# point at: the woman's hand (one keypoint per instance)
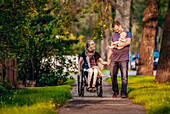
(94, 67)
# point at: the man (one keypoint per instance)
(119, 59)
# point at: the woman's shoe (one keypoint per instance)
(94, 89)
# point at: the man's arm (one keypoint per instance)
(109, 56)
(123, 44)
(79, 64)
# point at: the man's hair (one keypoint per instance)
(115, 23)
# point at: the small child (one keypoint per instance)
(121, 39)
(92, 63)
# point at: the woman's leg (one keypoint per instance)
(100, 72)
(95, 77)
(90, 73)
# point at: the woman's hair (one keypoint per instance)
(87, 49)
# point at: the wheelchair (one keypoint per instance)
(82, 83)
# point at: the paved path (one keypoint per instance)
(91, 104)
(119, 74)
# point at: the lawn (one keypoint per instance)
(43, 100)
(108, 70)
(143, 90)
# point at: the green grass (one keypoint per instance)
(69, 81)
(43, 100)
(108, 70)
(143, 90)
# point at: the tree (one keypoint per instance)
(28, 32)
(137, 9)
(163, 70)
(106, 11)
(163, 6)
(146, 56)
(123, 13)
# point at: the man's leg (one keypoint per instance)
(90, 73)
(124, 77)
(113, 73)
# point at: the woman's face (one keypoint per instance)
(91, 54)
(92, 44)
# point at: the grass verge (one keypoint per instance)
(43, 100)
(108, 70)
(143, 90)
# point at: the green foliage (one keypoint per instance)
(47, 80)
(28, 32)
(163, 6)
(6, 87)
(36, 100)
(70, 81)
(102, 10)
(144, 91)
(137, 10)
(51, 73)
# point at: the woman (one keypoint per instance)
(90, 44)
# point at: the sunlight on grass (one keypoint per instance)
(145, 91)
(39, 108)
(108, 70)
(43, 100)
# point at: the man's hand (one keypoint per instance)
(115, 46)
(108, 62)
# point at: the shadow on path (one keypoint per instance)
(91, 104)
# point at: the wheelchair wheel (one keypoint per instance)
(82, 84)
(99, 88)
(78, 86)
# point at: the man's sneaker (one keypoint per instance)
(114, 95)
(123, 96)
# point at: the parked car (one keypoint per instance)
(134, 60)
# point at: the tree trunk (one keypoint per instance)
(163, 69)
(105, 41)
(123, 13)
(146, 56)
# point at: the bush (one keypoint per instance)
(50, 79)
(6, 87)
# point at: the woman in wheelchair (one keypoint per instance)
(92, 68)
